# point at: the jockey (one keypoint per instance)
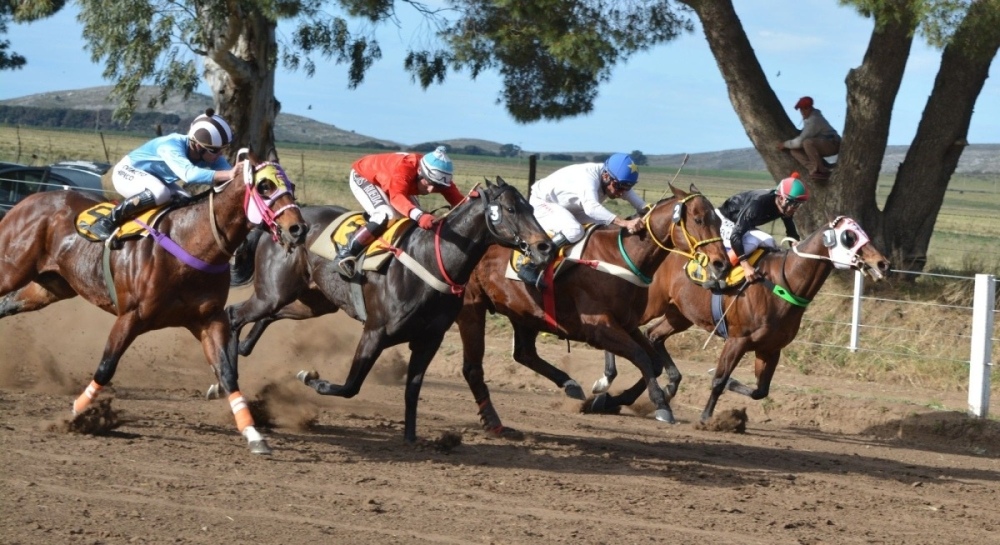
(148, 176)
(572, 196)
(742, 213)
(386, 185)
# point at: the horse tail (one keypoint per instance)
(244, 258)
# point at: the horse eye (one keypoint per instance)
(265, 186)
(849, 238)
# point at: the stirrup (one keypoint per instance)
(531, 276)
(348, 266)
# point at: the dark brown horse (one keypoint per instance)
(414, 301)
(177, 278)
(590, 305)
(763, 317)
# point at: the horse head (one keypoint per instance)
(269, 198)
(692, 228)
(849, 247)
(511, 221)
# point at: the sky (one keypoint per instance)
(670, 99)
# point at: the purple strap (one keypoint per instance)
(178, 252)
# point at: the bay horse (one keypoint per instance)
(763, 317)
(588, 304)
(179, 277)
(414, 301)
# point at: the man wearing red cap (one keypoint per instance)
(817, 140)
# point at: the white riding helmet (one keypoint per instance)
(210, 130)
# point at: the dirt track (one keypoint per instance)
(824, 463)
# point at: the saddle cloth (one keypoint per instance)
(129, 230)
(697, 271)
(335, 235)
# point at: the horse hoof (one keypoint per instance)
(306, 376)
(600, 404)
(213, 392)
(574, 390)
(601, 386)
(664, 415)
(260, 447)
(510, 434)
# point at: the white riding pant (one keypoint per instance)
(374, 199)
(555, 219)
(752, 239)
(130, 181)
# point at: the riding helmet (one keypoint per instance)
(210, 130)
(622, 169)
(436, 167)
(792, 188)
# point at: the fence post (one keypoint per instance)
(982, 345)
(859, 286)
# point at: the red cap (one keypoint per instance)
(804, 102)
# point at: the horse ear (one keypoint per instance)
(694, 189)
(500, 181)
(488, 182)
(679, 193)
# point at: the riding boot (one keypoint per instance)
(122, 212)
(347, 255)
(533, 273)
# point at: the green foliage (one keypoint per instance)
(639, 158)
(551, 54)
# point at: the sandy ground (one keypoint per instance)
(821, 461)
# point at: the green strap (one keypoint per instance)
(788, 296)
(635, 270)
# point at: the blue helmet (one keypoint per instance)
(436, 167)
(622, 169)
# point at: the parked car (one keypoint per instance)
(19, 181)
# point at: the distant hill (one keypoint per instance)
(87, 108)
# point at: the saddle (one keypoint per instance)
(697, 271)
(376, 254)
(566, 253)
(129, 230)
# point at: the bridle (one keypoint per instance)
(677, 220)
(256, 207)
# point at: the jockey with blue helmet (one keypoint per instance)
(742, 213)
(570, 197)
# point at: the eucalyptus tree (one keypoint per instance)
(553, 54)
(21, 11)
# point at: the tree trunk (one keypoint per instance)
(241, 77)
(941, 137)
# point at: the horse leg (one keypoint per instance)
(732, 352)
(421, 353)
(214, 337)
(634, 346)
(764, 367)
(125, 329)
(34, 296)
(526, 354)
(673, 322)
(369, 349)
(610, 373)
(310, 304)
(472, 328)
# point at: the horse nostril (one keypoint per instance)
(298, 231)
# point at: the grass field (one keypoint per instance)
(921, 344)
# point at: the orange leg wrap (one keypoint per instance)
(86, 397)
(240, 411)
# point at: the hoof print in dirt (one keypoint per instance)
(733, 420)
(448, 442)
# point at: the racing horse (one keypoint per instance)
(178, 277)
(415, 300)
(763, 317)
(589, 304)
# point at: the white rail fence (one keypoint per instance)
(981, 339)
